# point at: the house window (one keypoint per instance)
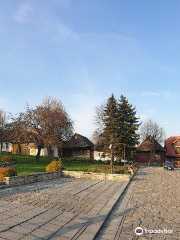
(157, 157)
(75, 153)
(7, 145)
(24, 148)
(81, 153)
(177, 149)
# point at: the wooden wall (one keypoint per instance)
(145, 157)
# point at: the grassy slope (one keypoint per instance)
(26, 164)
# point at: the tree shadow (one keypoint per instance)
(142, 173)
(88, 222)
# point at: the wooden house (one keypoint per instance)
(25, 148)
(78, 146)
(147, 149)
(172, 146)
(32, 149)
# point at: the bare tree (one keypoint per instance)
(98, 121)
(18, 131)
(151, 128)
(99, 118)
(157, 133)
(60, 125)
(98, 141)
(49, 124)
(3, 128)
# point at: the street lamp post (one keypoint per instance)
(124, 154)
(111, 147)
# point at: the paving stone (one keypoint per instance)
(31, 237)
(60, 207)
(11, 235)
(42, 233)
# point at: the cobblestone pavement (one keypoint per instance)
(93, 209)
(57, 209)
(152, 201)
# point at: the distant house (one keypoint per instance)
(78, 146)
(145, 151)
(99, 154)
(28, 148)
(6, 147)
(172, 146)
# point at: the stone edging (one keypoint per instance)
(8, 164)
(38, 177)
(100, 176)
(26, 179)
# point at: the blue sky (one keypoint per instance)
(80, 51)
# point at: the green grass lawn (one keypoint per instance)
(26, 165)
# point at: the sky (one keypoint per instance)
(82, 51)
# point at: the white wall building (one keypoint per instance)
(102, 156)
(6, 147)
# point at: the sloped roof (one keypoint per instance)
(169, 146)
(147, 145)
(79, 141)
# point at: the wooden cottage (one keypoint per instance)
(79, 146)
(172, 146)
(150, 151)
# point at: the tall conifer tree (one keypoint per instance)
(110, 124)
(128, 124)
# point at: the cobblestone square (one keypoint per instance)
(65, 208)
(69, 208)
(151, 202)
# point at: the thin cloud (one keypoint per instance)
(23, 12)
(168, 95)
(61, 30)
(145, 94)
(110, 36)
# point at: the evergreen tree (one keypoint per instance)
(128, 124)
(110, 124)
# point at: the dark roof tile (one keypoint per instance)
(79, 141)
(147, 145)
(169, 146)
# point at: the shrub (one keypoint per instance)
(6, 158)
(7, 172)
(54, 166)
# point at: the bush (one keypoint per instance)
(7, 172)
(54, 166)
(6, 158)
